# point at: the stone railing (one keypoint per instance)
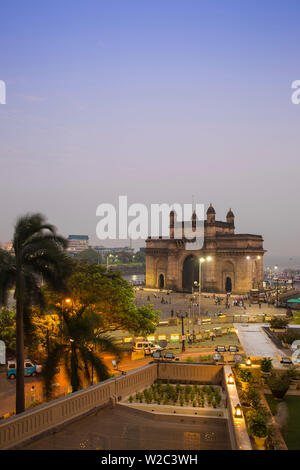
(41, 419)
(237, 426)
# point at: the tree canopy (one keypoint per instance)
(108, 295)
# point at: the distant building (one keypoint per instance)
(78, 243)
(106, 251)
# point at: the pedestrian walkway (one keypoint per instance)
(256, 343)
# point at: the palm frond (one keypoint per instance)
(100, 368)
(49, 367)
(107, 343)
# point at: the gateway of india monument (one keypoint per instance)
(230, 262)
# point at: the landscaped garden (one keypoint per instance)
(203, 396)
(251, 384)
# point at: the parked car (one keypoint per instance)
(167, 356)
(146, 346)
(220, 349)
(233, 348)
(30, 369)
(286, 360)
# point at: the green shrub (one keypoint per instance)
(245, 375)
(253, 397)
(130, 399)
(266, 365)
(288, 338)
(190, 359)
(278, 384)
(279, 323)
(257, 424)
(207, 358)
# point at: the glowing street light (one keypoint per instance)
(238, 411)
(201, 260)
(230, 379)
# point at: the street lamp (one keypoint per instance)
(92, 350)
(201, 260)
(238, 411)
(68, 301)
(230, 379)
(181, 316)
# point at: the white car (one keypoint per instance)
(146, 346)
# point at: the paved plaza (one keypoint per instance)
(179, 302)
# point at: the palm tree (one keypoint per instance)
(38, 255)
(77, 349)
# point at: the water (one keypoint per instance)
(135, 279)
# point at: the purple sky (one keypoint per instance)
(155, 100)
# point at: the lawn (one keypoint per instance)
(291, 434)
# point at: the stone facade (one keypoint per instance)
(236, 260)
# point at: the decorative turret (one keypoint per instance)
(211, 214)
(194, 221)
(230, 217)
(172, 223)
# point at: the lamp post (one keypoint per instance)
(198, 284)
(181, 316)
(92, 349)
(276, 279)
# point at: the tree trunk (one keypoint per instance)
(20, 390)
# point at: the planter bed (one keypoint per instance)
(179, 410)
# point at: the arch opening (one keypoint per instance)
(161, 281)
(228, 284)
(190, 273)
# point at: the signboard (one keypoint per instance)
(161, 337)
(174, 337)
(151, 338)
(2, 352)
(128, 340)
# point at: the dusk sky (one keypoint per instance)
(156, 100)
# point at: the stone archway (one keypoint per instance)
(228, 284)
(161, 281)
(190, 272)
(228, 277)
